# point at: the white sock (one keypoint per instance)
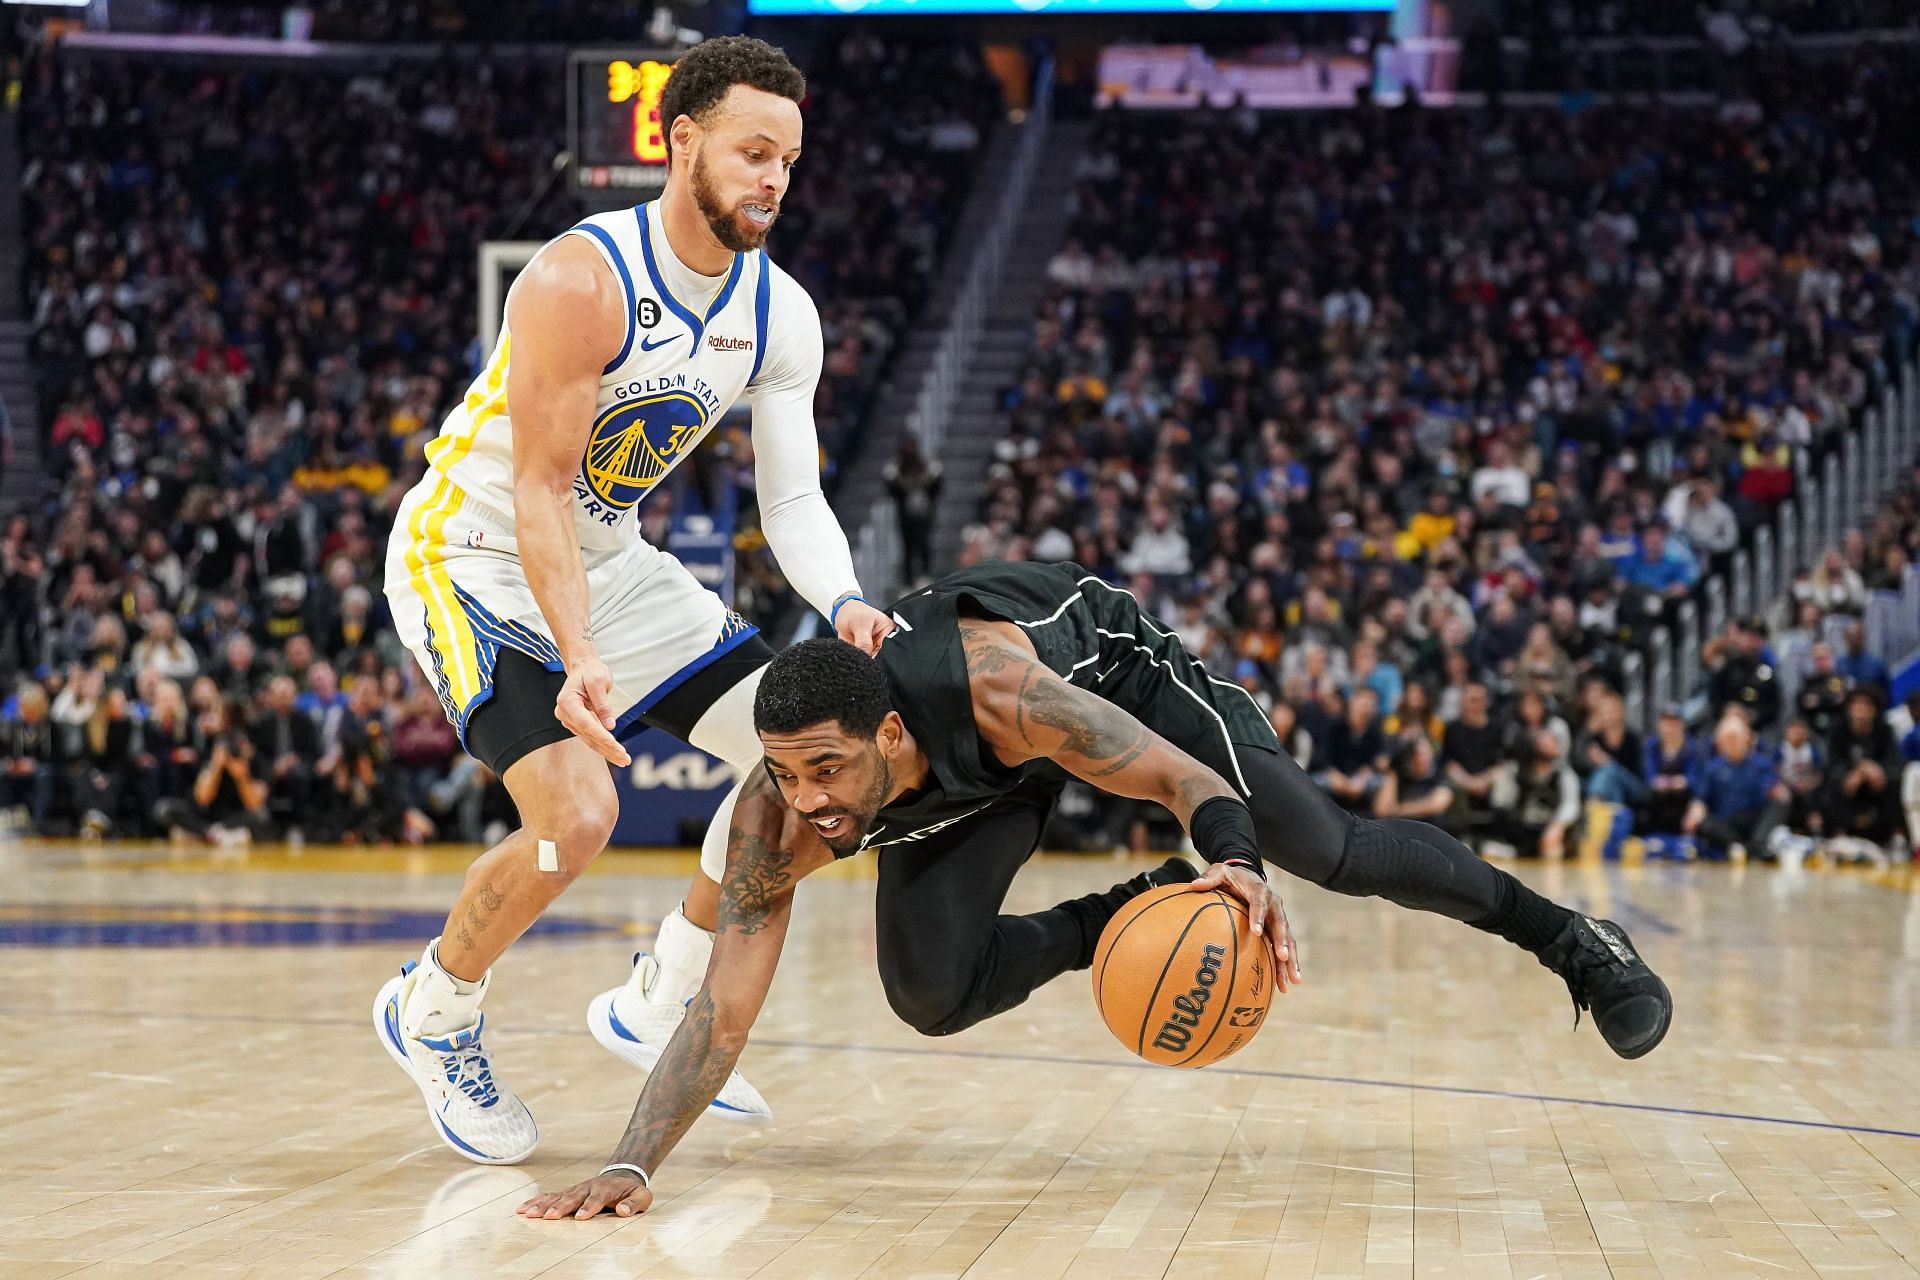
(440, 1003)
(680, 953)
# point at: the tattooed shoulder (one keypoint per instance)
(986, 651)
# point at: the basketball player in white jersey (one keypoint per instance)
(519, 579)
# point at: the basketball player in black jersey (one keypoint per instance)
(946, 754)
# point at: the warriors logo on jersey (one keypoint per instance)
(634, 444)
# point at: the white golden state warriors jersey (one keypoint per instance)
(693, 345)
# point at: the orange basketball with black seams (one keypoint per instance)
(1179, 977)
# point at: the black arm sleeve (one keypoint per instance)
(1222, 829)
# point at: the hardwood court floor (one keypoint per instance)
(1420, 1107)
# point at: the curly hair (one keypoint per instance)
(819, 682)
(705, 72)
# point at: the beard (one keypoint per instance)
(729, 226)
(860, 817)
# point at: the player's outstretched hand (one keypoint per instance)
(585, 707)
(622, 1193)
(1266, 914)
(862, 626)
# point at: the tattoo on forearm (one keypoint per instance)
(1094, 728)
(1196, 789)
(756, 875)
(687, 1077)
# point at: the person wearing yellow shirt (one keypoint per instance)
(1435, 523)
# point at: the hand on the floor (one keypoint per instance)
(1266, 914)
(623, 1193)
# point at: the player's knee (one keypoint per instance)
(931, 1008)
(579, 822)
(1397, 859)
(585, 832)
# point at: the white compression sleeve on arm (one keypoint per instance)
(806, 538)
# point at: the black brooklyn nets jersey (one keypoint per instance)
(1093, 635)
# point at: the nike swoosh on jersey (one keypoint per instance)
(648, 344)
(868, 842)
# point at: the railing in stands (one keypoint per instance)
(1869, 462)
(876, 552)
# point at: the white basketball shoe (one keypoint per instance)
(635, 1021)
(472, 1112)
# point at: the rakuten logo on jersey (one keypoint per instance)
(719, 343)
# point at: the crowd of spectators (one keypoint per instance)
(1417, 423)
(252, 296)
(1810, 751)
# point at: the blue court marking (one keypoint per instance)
(985, 1055)
(229, 925)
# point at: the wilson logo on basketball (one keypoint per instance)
(1177, 1030)
(719, 343)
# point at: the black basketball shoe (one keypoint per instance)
(1606, 976)
(1094, 910)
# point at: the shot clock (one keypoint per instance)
(614, 128)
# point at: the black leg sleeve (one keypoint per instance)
(1411, 864)
(1414, 864)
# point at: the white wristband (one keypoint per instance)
(634, 1169)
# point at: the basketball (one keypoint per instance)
(1180, 978)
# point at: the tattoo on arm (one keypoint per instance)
(1093, 728)
(697, 1060)
(687, 1077)
(756, 875)
(986, 652)
(1197, 788)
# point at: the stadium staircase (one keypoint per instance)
(22, 478)
(863, 486)
(987, 289)
(975, 425)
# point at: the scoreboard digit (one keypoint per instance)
(614, 130)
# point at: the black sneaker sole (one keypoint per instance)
(1660, 1032)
